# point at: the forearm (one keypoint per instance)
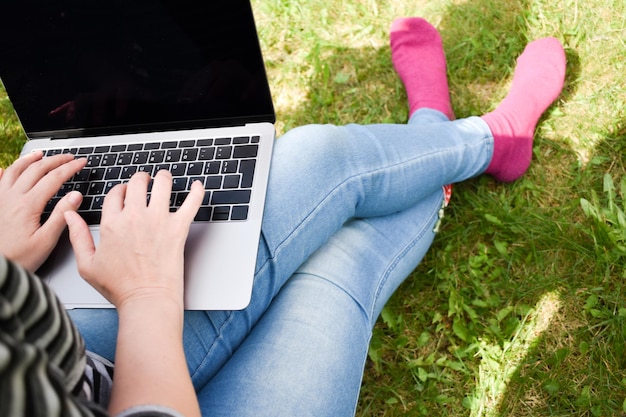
(150, 366)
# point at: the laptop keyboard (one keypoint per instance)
(224, 165)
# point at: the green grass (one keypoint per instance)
(519, 308)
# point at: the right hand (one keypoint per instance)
(141, 247)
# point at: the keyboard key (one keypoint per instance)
(160, 167)
(140, 158)
(173, 155)
(92, 217)
(239, 213)
(109, 159)
(203, 215)
(178, 169)
(212, 167)
(96, 188)
(223, 141)
(97, 174)
(146, 168)
(97, 202)
(213, 182)
(231, 181)
(246, 151)
(187, 143)
(229, 167)
(94, 160)
(246, 169)
(221, 213)
(82, 175)
(206, 153)
(169, 145)
(110, 185)
(85, 204)
(224, 152)
(156, 157)
(231, 197)
(179, 184)
(180, 199)
(190, 154)
(194, 179)
(81, 187)
(85, 151)
(128, 172)
(125, 158)
(102, 149)
(112, 173)
(195, 168)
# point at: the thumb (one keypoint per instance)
(55, 224)
(80, 238)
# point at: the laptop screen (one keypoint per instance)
(81, 67)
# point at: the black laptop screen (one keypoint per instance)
(80, 66)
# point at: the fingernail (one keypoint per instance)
(75, 198)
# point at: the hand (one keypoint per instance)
(25, 189)
(141, 247)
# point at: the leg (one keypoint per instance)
(321, 177)
(537, 82)
(419, 59)
(306, 354)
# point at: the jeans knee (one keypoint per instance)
(313, 146)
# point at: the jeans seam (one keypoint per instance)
(434, 215)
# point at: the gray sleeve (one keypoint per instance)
(149, 411)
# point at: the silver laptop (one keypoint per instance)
(144, 85)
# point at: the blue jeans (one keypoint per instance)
(350, 212)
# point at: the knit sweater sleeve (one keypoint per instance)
(44, 369)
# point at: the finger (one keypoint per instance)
(137, 191)
(16, 169)
(50, 183)
(36, 171)
(114, 200)
(161, 190)
(190, 206)
(56, 222)
(81, 240)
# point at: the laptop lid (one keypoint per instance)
(76, 68)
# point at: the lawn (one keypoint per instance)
(519, 309)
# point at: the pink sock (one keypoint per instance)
(418, 57)
(537, 82)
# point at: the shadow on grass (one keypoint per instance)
(577, 366)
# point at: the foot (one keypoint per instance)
(418, 57)
(537, 82)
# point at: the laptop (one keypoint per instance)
(144, 85)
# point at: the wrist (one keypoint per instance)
(152, 305)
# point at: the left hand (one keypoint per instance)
(25, 189)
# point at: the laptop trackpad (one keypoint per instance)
(61, 274)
